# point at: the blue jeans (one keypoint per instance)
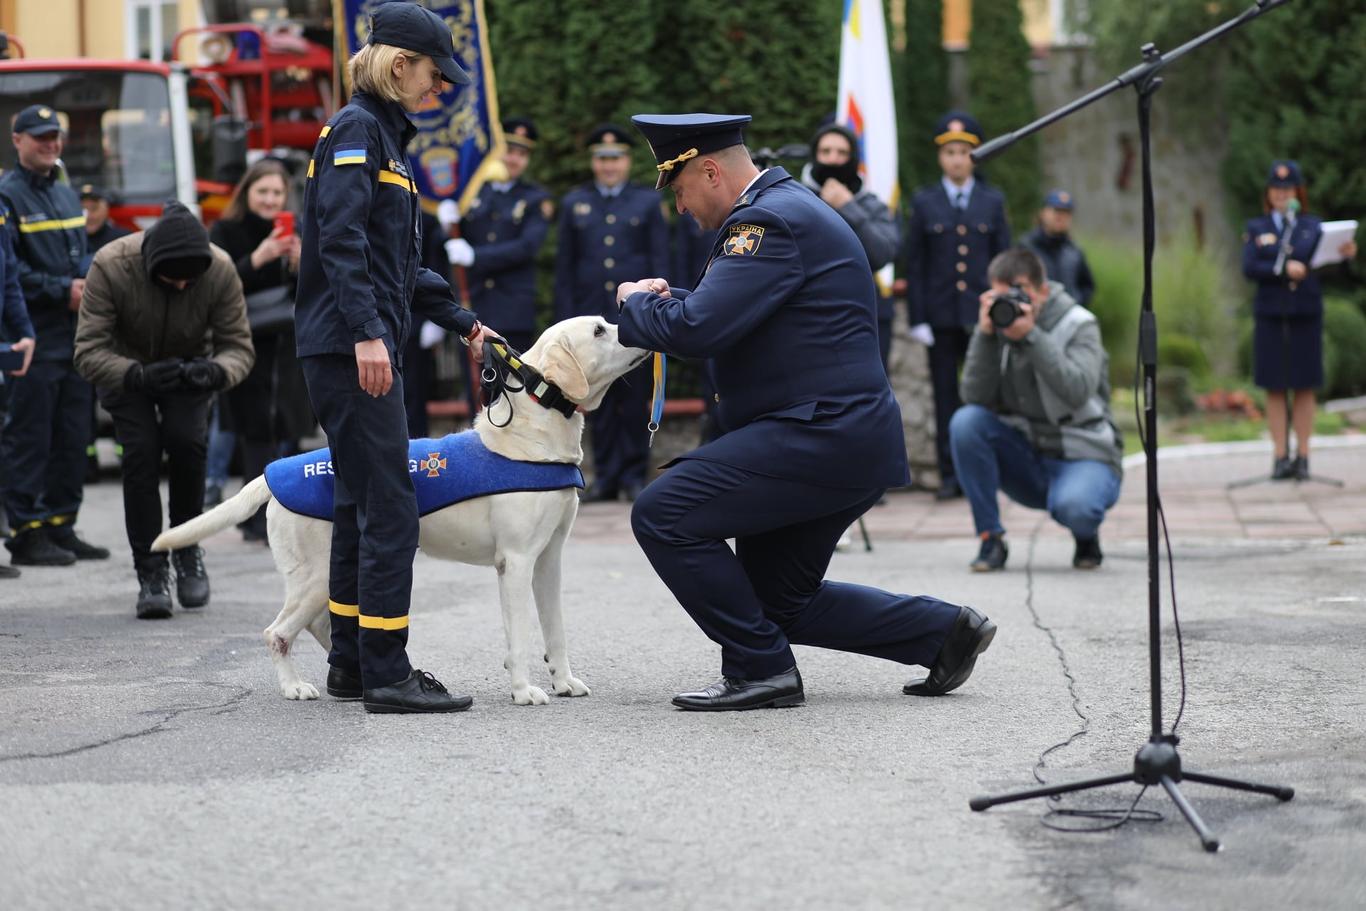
(990, 455)
(220, 447)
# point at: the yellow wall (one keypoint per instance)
(1038, 22)
(47, 28)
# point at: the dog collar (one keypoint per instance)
(542, 391)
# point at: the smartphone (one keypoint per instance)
(284, 223)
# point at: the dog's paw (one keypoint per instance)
(299, 690)
(532, 695)
(571, 686)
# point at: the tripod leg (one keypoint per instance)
(863, 530)
(1207, 838)
(1275, 791)
(983, 803)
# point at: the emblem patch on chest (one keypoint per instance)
(742, 240)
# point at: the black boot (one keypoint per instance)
(64, 536)
(191, 579)
(154, 588)
(32, 547)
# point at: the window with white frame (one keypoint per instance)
(151, 26)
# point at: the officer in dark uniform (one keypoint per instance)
(787, 313)
(610, 231)
(360, 279)
(1051, 241)
(957, 226)
(99, 230)
(16, 331)
(49, 419)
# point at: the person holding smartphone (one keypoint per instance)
(270, 407)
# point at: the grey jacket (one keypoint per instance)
(1052, 385)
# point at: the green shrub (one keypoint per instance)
(1177, 350)
(1344, 348)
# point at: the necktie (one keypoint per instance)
(958, 202)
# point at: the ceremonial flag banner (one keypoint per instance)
(865, 103)
(459, 142)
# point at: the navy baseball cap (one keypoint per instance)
(675, 139)
(1285, 174)
(37, 120)
(1059, 199)
(95, 191)
(956, 126)
(399, 23)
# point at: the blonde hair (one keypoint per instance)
(372, 70)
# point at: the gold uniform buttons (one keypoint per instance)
(611, 219)
(609, 285)
(962, 229)
(716, 397)
(962, 285)
(962, 249)
(962, 267)
(488, 283)
(609, 240)
(609, 262)
(492, 236)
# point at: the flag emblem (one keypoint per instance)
(432, 464)
(348, 156)
(743, 240)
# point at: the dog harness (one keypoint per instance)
(450, 470)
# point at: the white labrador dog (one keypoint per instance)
(520, 533)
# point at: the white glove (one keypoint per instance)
(448, 213)
(923, 334)
(459, 252)
(430, 335)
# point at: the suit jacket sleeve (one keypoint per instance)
(38, 287)
(432, 299)
(344, 197)
(738, 293)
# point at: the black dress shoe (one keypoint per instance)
(948, 489)
(731, 694)
(64, 536)
(343, 684)
(1299, 469)
(33, 548)
(420, 692)
(191, 578)
(1282, 469)
(598, 493)
(971, 635)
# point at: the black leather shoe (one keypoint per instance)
(420, 692)
(154, 591)
(1087, 554)
(598, 493)
(342, 684)
(64, 536)
(1282, 469)
(1299, 469)
(948, 489)
(191, 579)
(992, 555)
(731, 694)
(971, 635)
(33, 548)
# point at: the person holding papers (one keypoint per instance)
(1288, 310)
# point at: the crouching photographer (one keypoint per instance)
(163, 326)
(1036, 421)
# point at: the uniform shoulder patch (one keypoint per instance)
(548, 209)
(742, 240)
(354, 155)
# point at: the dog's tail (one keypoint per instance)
(237, 509)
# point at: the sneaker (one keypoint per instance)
(1282, 469)
(64, 536)
(1299, 469)
(154, 590)
(191, 579)
(1087, 554)
(32, 547)
(992, 556)
(420, 692)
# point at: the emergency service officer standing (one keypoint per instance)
(49, 420)
(610, 231)
(360, 281)
(787, 312)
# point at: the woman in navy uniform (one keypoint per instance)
(353, 315)
(957, 226)
(610, 231)
(1288, 313)
(787, 312)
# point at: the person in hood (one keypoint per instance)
(833, 174)
(1051, 241)
(162, 327)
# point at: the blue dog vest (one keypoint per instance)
(449, 470)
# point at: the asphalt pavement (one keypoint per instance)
(155, 765)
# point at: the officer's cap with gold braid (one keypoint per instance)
(1284, 174)
(520, 131)
(676, 139)
(956, 126)
(608, 141)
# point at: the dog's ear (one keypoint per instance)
(564, 370)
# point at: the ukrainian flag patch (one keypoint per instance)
(348, 156)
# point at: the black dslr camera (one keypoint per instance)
(1005, 309)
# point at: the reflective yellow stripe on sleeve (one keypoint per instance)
(323, 135)
(52, 224)
(385, 623)
(398, 180)
(343, 610)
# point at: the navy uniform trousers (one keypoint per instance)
(770, 593)
(43, 444)
(374, 520)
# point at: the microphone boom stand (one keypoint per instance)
(1157, 761)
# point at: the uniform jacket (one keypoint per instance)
(360, 271)
(47, 227)
(1064, 263)
(1053, 385)
(605, 241)
(877, 230)
(787, 313)
(108, 233)
(506, 230)
(947, 252)
(1276, 294)
(14, 321)
(126, 318)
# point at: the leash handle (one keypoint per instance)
(661, 373)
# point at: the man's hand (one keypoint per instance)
(459, 252)
(25, 345)
(648, 285)
(835, 193)
(77, 289)
(1296, 270)
(1022, 325)
(372, 367)
(984, 323)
